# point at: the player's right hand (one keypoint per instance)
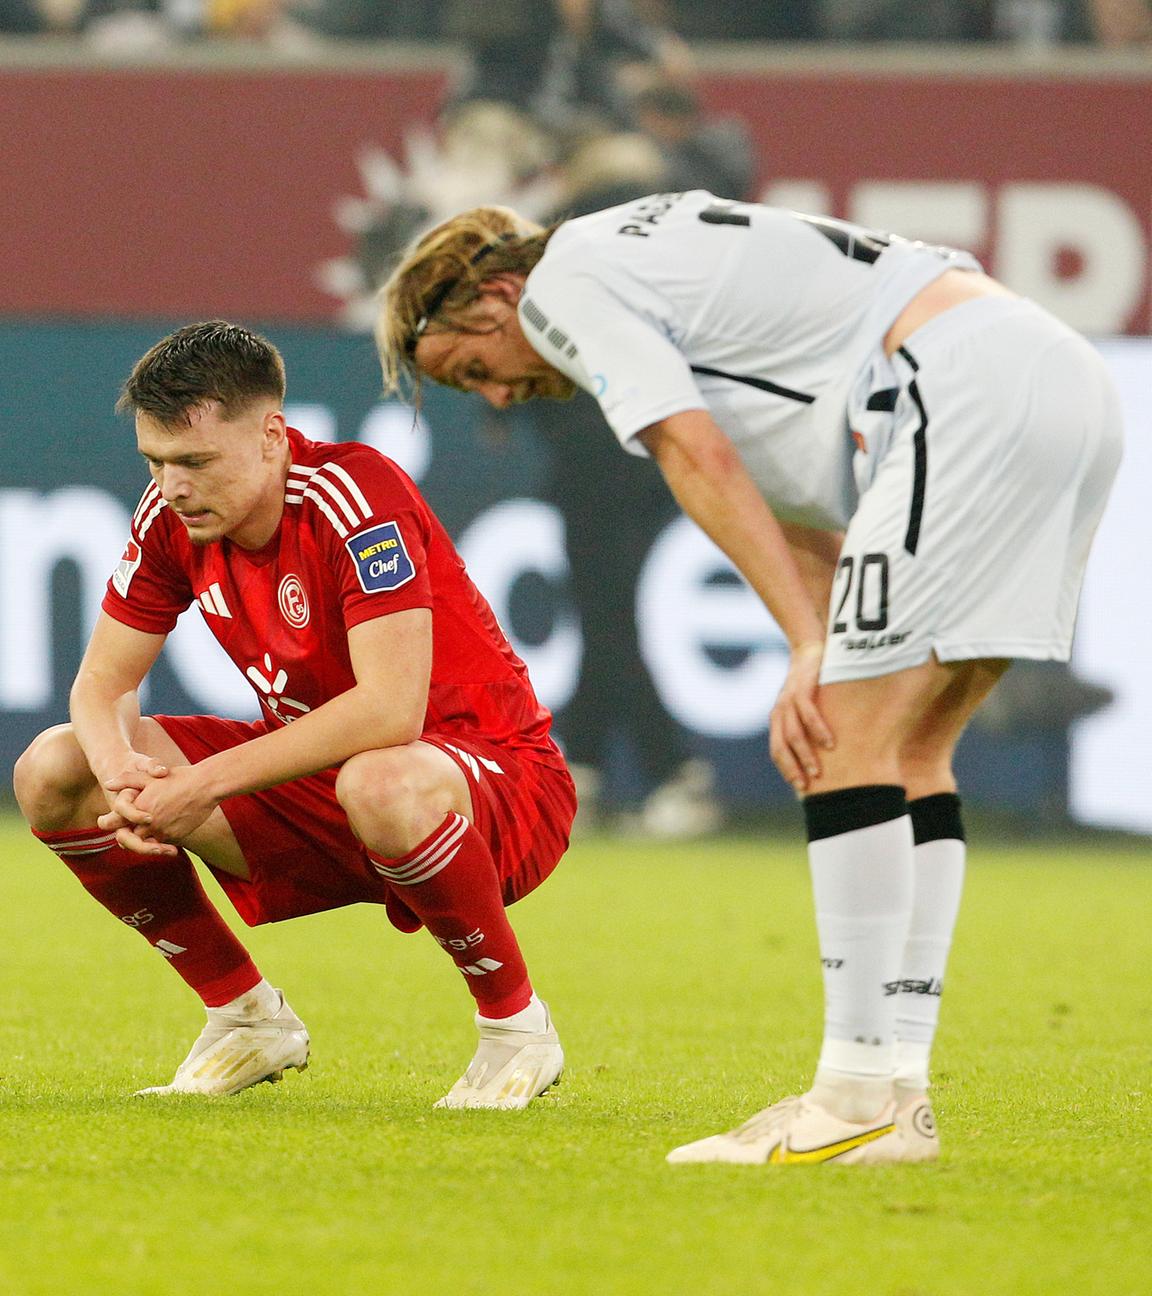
(124, 817)
(798, 729)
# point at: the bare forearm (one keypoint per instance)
(717, 493)
(816, 554)
(104, 720)
(105, 700)
(350, 723)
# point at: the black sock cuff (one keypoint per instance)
(828, 814)
(936, 818)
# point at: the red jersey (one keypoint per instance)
(356, 541)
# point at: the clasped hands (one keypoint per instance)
(152, 806)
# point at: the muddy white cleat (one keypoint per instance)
(510, 1067)
(235, 1051)
(798, 1131)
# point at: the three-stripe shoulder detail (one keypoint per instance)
(334, 492)
(148, 510)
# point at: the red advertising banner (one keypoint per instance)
(133, 193)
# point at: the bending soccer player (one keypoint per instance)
(401, 759)
(906, 462)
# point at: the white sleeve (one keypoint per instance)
(619, 354)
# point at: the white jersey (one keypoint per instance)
(768, 319)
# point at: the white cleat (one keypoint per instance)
(509, 1069)
(233, 1053)
(916, 1125)
(798, 1131)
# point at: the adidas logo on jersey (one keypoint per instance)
(212, 601)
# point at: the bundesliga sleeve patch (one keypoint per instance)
(126, 568)
(382, 562)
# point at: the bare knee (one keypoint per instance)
(394, 798)
(54, 785)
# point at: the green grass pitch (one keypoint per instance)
(685, 984)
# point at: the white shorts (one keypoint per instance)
(987, 447)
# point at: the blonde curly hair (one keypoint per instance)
(441, 274)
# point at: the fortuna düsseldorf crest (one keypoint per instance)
(293, 602)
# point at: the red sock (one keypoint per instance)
(450, 883)
(164, 901)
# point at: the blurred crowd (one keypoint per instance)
(303, 24)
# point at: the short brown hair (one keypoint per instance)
(213, 361)
(442, 273)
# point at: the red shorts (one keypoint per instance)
(303, 857)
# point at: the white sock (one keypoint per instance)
(851, 1097)
(532, 1018)
(260, 1002)
(862, 883)
(939, 881)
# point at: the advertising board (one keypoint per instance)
(70, 478)
(188, 192)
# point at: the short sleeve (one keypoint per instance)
(374, 529)
(148, 589)
(620, 353)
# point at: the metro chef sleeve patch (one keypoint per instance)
(382, 561)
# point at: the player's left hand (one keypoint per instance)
(798, 729)
(175, 806)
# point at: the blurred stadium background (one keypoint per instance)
(262, 161)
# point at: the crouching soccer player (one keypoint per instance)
(402, 757)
